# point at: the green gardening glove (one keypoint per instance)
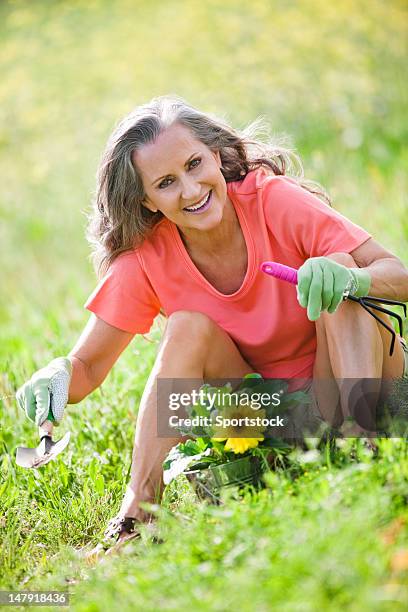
(45, 395)
(322, 283)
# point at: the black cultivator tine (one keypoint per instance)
(388, 312)
(386, 301)
(390, 329)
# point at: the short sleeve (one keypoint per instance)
(125, 298)
(303, 223)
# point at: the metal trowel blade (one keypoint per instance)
(42, 454)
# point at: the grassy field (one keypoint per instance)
(330, 532)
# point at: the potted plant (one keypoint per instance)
(231, 435)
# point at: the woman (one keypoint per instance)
(186, 211)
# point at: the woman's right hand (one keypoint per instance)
(45, 395)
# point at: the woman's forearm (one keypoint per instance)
(389, 279)
(82, 383)
(93, 356)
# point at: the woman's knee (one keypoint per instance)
(202, 340)
(344, 259)
(192, 325)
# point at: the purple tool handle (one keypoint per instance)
(280, 271)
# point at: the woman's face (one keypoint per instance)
(182, 179)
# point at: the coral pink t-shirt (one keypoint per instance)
(280, 222)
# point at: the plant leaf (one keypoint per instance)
(177, 462)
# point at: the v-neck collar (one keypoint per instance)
(249, 243)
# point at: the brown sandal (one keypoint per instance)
(110, 543)
(125, 526)
(119, 525)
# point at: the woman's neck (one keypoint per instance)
(218, 239)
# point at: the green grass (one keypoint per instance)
(332, 77)
(314, 539)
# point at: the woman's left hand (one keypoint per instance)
(322, 283)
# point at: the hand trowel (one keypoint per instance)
(43, 453)
(47, 449)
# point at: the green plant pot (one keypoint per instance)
(208, 483)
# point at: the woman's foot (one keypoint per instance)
(120, 530)
(351, 429)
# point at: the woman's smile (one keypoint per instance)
(202, 206)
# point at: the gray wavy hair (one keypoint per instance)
(119, 222)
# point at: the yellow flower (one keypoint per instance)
(239, 435)
(240, 445)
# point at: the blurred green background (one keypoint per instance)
(332, 77)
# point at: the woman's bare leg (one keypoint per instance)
(351, 345)
(193, 347)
